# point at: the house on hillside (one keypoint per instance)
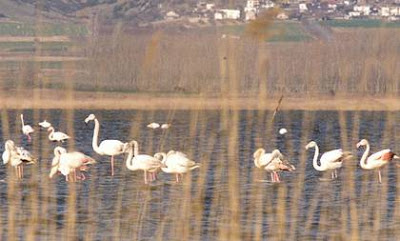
(222, 14)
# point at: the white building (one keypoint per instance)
(364, 10)
(303, 7)
(227, 14)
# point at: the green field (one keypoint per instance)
(361, 23)
(26, 29)
(278, 31)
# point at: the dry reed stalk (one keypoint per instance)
(307, 123)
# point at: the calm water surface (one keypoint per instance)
(225, 195)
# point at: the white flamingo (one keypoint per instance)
(17, 157)
(107, 147)
(376, 160)
(26, 129)
(176, 162)
(57, 135)
(69, 163)
(330, 160)
(44, 124)
(153, 125)
(165, 126)
(272, 162)
(136, 161)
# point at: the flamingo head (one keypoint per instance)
(311, 144)
(363, 142)
(259, 152)
(9, 144)
(90, 117)
(59, 150)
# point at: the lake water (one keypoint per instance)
(226, 199)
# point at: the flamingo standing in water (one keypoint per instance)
(176, 162)
(107, 147)
(136, 161)
(376, 160)
(69, 163)
(330, 160)
(26, 129)
(57, 135)
(17, 156)
(272, 162)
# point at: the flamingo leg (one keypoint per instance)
(335, 173)
(112, 165)
(277, 177)
(83, 177)
(22, 171)
(29, 138)
(67, 177)
(379, 176)
(176, 177)
(145, 177)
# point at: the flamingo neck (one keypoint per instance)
(135, 148)
(129, 160)
(257, 158)
(315, 164)
(22, 120)
(95, 140)
(363, 161)
(51, 133)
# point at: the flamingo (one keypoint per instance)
(44, 124)
(26, 129)
(17, 156)
(330, 160)
(57, 135)
(376, 160)
(69, 163)
(153, 125)
(272, 162)
(107, 147)
(136, 161)
(176, 162)
(165, 126)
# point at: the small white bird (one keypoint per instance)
(153, 125)
(26, 129)
(57, 135)
(282, 131)
(165, 126)
(45, 124)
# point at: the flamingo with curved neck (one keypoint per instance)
(107, 147)
(176, 162)
(272, 162)
(376, 160)
(26, 129)
(57, 135)
(17, 157)
(136, 161)
(68, 163)
(330, 160)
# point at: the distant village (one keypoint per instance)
(314, 9)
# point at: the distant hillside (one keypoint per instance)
(135, 11)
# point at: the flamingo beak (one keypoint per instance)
(358, 145)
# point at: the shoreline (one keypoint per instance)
(56, 99)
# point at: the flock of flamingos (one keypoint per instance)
(72, 164)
